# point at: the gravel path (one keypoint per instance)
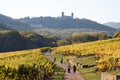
(68, 76)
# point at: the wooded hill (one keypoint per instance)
(81, 38)
(57, 26)
(14, 23)
(64, 26)
(115, 25)
(12, 40)
(65, 23)
(4, 27)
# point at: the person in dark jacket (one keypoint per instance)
(54, 59)
(68, 67)
(61, 61)
(74, 68)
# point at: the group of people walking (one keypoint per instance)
(68, 66)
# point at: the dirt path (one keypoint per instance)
(68, 76)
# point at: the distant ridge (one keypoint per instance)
(5, 27)
(115, 25)
(67, 23)
(13, 23)
(64, 24)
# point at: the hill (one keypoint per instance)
(28, 65)
(90, 47)
(115, 25)
(57, 24)
(65, 23)
(4, 27)
(106, 52)
(82, 38)
(14, 23)
(12, 40)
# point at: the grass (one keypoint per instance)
(89, 73)
(59, 73)
(102, 49)
(87, 60)
(114, 72)
(58, 57)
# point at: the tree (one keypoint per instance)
(116, 35)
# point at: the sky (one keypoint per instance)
(97, 10)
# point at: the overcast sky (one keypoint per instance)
(96, 10)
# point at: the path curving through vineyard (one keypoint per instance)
(67, 76)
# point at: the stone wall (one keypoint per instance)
(108, 76)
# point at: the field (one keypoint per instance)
(95, 57)
(27, 64)
(88, 73)
(104, 54)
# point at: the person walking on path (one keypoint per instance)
(54, 59)
(61, 61)
(74, 68)
(68, 67)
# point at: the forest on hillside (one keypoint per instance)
(13, 40)
(62, 27)
(55, 26)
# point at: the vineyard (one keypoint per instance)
(106, 52)
(32, 65)
(25, 65)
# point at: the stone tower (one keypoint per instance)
(62, 14)
(72, 15)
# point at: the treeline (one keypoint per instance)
(13, 40)
(116, 35)
(82, 37)
(4, 27)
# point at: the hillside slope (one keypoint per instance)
(106, 53)
(27, 65)
(66, 23)
(57, 26)
(115, 25)
(13, 23)
(4, 27)
(106, 46)
(13, 40)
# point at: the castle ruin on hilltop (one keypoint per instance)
(70, 17)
